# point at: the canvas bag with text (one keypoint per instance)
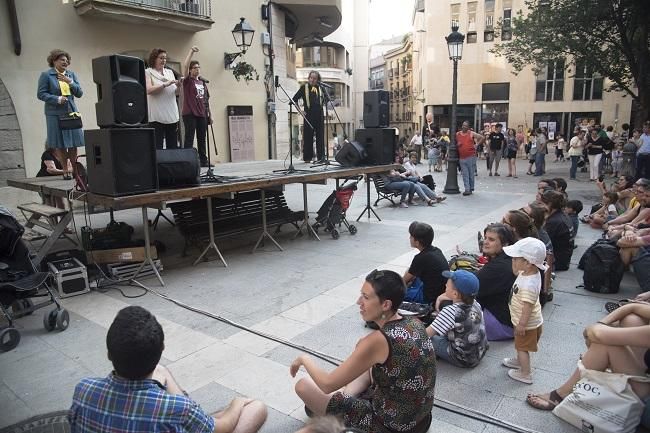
(602, 403)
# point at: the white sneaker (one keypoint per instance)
(517, 375)
(510, 363)
(403, 205)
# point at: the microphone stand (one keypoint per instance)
(292, 104)
(209, 175)
(328, 100)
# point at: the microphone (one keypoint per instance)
(327, 86)
(204, 80)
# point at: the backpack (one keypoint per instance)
(602, 266)
(466, 261)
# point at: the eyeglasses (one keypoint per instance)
(195, 67)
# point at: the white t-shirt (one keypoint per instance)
(526, 289)
(162, 105)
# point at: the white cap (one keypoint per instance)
(530, 249)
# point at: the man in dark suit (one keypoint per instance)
(312, 100)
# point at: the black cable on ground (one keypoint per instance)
(446, 404)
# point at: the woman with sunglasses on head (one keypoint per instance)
(387, 383)
(495, 280)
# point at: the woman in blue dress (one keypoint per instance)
(58, 87)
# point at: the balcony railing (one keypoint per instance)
(194, 15)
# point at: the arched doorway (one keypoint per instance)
(12, 160)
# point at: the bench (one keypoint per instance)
(382, 192)
(49, 218)
(241, 214)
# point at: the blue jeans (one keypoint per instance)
(441, 348)
(404, 187)
(574, 166)
(467, 168)
(540, 161)
(424, 192)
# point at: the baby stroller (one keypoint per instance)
(332, 212)
(19, 282)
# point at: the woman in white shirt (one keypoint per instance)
(162, 88)
(576, 147)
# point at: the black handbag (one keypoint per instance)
(70, 120)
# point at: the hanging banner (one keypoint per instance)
(241, 135)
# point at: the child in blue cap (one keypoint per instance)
(458, 331)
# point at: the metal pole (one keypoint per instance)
(451, 186)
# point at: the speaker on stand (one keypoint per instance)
(376, 108)
(121, 91)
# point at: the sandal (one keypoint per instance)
(611, 306)
(431, 202)
(541, 403)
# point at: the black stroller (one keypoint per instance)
(19, 282)
(332, 213)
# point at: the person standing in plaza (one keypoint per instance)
(429, 131)
(595, 151)
(643, 154)
(57, 88)
(312, 101)
(512, 146)
(576, 147)
(196, 117)
(162, 88)
(542, 150)
(497, 140)
(416, 144)
(466, 141)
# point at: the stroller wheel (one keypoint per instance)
(9, 339)
(49, 320)
(353, 229)
(19, 305)
(335, 233)
(62, 319)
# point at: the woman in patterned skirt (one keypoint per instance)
(58, 87)
(387, 383)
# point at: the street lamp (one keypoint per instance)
(455, 46)
(243, 35)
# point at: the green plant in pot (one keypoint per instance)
(246, 71)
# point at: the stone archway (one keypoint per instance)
(12, 160)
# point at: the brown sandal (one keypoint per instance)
(541, 403)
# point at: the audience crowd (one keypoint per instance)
(387, 383)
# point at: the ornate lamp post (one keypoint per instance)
(243, 35)
(455, 46)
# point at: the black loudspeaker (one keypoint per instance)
(121, 161)
(376, 111)
(379, 144)
(352, 154)
(121, 91)
(178, 168)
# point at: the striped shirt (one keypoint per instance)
(462, 324)
(526, 289)
(114, 404)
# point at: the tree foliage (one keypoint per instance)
(611, 37)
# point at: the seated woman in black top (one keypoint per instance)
(428, 264)
(50, 166)
(559, 229)
(495, 282)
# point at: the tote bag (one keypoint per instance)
(602, 403)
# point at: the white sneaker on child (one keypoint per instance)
(510, 363)
(518, 375)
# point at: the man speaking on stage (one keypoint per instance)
(312, 100)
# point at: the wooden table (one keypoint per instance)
(233, 177)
